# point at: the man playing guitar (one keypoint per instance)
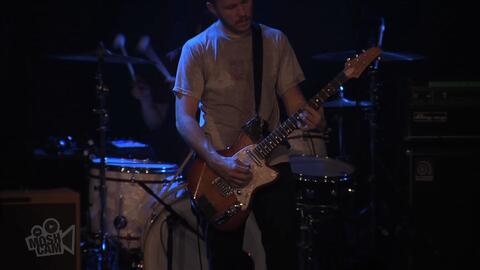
(216, 72)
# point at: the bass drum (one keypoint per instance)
(127, 205)
(188, 250)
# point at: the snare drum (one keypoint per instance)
(322, 182)
(307, 143)
(188, 251)
(127, 205)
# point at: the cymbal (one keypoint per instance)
(344, 103)
(386, 56)
(109, 57)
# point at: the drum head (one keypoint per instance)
(307, 143)
(320, 166)
(136, 165)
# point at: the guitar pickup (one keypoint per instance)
(223, 188)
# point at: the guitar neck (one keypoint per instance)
(266, 146)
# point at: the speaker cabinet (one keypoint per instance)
(443, 198)
(40, 229)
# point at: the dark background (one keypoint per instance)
(44, 99)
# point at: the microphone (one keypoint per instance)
(119, 43)
(144, 47)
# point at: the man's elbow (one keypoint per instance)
(179, 124)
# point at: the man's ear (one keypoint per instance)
(211, 8)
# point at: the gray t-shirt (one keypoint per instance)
(218, 70)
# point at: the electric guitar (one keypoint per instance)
(227, 207)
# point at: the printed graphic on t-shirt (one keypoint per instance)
(237, 69)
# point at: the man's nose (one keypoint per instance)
(241, 11)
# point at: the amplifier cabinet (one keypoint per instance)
(40, 229)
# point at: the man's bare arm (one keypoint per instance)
(187, 125)
(313, 119)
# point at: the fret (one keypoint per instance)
(291, 125)
(264, 149)
(284, 132)
(317, 100)
(324, 94)
(253, 157)
(258, 153)
(259, 150)
(278, 138)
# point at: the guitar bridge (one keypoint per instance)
(223, 188)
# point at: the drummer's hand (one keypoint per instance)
(311, 119)
(232, 170)
(142, 91)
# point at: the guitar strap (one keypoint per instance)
(257, 46)
(256, 127)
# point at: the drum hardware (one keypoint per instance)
(342, 102)
(101, 110)
(102, 56)
(386, 56)
(339, 108)
(322, 185)
(307, 143)
(174, 214)
(189, 252)
(107, 58)
(305, 242)
(127, 204)
(173, 220)
(120, 222)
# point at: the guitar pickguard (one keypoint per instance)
(262, 174)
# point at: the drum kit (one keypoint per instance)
(132, 201)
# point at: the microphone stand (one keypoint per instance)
(172, 220)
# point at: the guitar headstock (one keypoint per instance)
(355, 66)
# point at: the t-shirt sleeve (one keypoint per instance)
(189, 79)
(290, 73)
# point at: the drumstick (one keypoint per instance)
(119, 43)
(145, 48)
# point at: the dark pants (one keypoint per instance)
(274, 209)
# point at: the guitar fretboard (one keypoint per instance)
(266, 146)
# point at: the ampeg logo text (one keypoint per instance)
(49, 240)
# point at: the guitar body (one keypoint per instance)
(226, 207)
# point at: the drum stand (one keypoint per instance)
(374, 85)
(305, 243)
(101, 93)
